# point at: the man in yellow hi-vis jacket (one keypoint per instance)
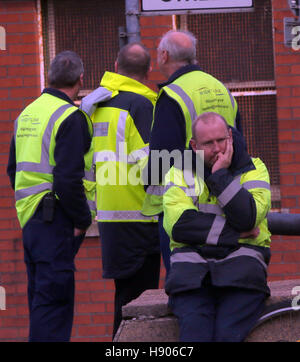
(219, 236)
(50, 161)
(188, 92)
(121, 111)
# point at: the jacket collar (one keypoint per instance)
(241, 160)
(181, 71)
(57, 93)
(119, 83)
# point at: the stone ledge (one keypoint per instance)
(148, 318)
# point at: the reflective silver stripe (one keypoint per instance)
(120, 136)
(21, 194)
(186, 99)
(122, 215)
(104, 156)
(121, 151)
(92, 205)
(230, 95)
(210, 208)
(171, 184)
(34, 167)
(136, 155)
(101, 129)
(215, 230)
(89, 102)
(193, 257)
(89, 175)
(189, 178)
(15, 128)
(157, 190)
(230, 191)
(121, 146)
(48, 132)
(189, 257)
(43, 166)
(256, 184)
(191, 192)
(242, 251)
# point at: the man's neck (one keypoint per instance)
(135, 77)
(70, 92)
(172, 68)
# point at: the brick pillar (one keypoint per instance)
(152, 28)
(19, 85)
(286, 250)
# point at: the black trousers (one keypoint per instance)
(147, 277)
(217, 314)
(49, 252)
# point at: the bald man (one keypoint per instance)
(121, 110)
(187, 93)
(219, 236)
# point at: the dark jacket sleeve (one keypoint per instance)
(168, 132)
(72, 142)
(193, 228)
(11, 166)
(141, 111)
(238, 122)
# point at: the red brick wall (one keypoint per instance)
(19, 85)
(152, 28)
(286, 250)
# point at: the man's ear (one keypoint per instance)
(193, 144)
(165, 56)
(116, 67)
(81, 80)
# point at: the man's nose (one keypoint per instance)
(216, 147)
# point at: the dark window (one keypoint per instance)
(89, 28)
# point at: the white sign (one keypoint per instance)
(292, 33)
(2, 299)
(2, 38)
(169, 5)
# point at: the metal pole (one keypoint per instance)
(132, 21)
(283, 224)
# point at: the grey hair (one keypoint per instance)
(176, 51)
(65, 70)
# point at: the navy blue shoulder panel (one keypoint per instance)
(139, 108)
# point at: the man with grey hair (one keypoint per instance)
(50, 151)
(188, 92)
